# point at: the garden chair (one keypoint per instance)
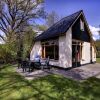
(45, 63)
(25, 65)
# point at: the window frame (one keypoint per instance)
(53, 44)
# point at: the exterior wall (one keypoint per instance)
(86, 57)
(65, 51)
(93, 55)
(37, 49)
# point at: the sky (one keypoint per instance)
(91, 9)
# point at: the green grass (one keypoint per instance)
(52, 87)
(98, 60)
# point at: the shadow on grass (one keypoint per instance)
(51, 87)
(11, 82)
(91, 88)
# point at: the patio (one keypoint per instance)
(79, 73)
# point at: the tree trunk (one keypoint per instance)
(20, 50)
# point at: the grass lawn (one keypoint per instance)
(98, 60)
(52, 87)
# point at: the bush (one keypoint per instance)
(6, 54)
(98, 54)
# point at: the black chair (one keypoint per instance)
(19, 63)
(25, 65)
(37, 65)
(31, 66)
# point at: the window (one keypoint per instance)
(81, 25)
(50, 50)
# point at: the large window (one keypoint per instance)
(50, 49)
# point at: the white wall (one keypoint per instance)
(65, 51)
(86, 53)
(37, 49)
(93, 54)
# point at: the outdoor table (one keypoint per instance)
(34, 64)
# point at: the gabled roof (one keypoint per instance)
(59, 28)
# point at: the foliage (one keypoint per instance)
(52, 18)
(52, 87)
(16, 16)
(97, 42)
(98, 60)
(7, 54)
(98, 54)
(28, 41)
(42, 27)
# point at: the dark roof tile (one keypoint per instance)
(58, 28)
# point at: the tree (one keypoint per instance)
(16, 16)
(97, 43)
(52, 18)
(99, 32)
(28, 40)
(42, 27)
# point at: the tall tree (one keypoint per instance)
(28, 40)
(99, 32)
(52, 18)
(16, 16)
(42, 27)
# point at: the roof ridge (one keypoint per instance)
(74, 13)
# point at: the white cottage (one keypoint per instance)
(68, 43)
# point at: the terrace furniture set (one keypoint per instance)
(35, 64)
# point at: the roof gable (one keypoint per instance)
(78, 33)
(59, 28)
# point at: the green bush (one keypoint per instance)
(98, 54)
(6, 54)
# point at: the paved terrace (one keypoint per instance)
(79, 73)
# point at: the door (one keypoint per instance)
(75, 55)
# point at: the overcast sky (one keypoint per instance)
(91, 9)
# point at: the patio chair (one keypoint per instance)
(25, 65)
(45, 63)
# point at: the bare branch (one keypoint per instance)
(17, 15)
(2, 37)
